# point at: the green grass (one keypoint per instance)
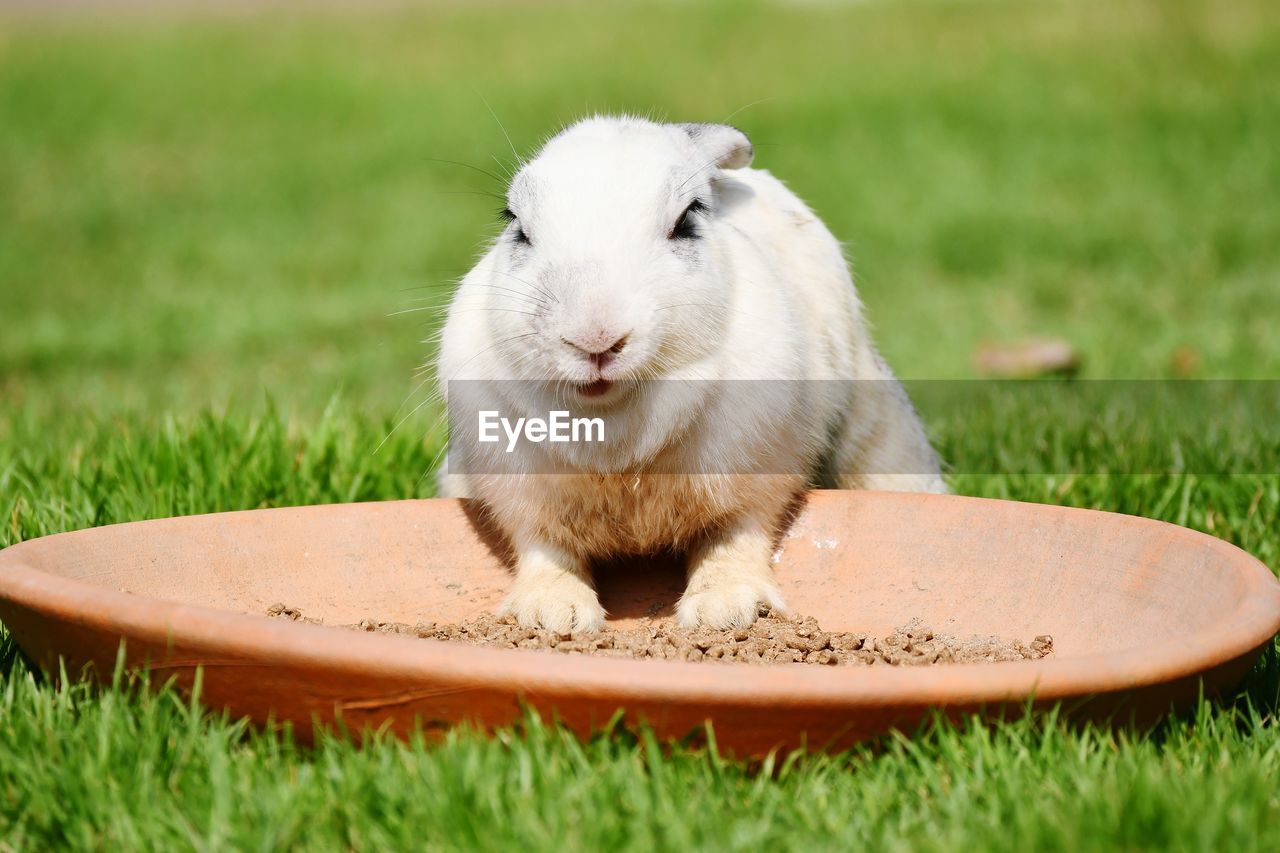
(205, 223)
(156, 772)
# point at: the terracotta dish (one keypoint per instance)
(1141, 614)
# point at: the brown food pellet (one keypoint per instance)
(772, 639)
(281, 611)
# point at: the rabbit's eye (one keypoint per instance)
(510, 217)
(683, 229)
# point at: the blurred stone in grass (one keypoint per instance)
(1185, 362)
(1027, 359)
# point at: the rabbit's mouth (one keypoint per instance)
(598, 388)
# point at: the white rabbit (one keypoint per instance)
(638, 255)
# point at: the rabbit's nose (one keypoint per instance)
(598, 346)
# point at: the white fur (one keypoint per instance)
(762, 293)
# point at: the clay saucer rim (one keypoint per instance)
(237, 639)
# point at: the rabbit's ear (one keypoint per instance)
(727, 146)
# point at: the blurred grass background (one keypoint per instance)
(209, 221)
(233, 205)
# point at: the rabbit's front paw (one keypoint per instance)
(566, 604)
(733, 604)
